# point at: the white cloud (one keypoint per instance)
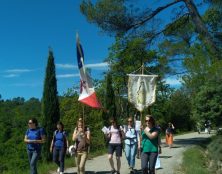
(10, 75)
(103, 65)
(18, 70)
(66, 66)
(97, 65)
(67, 75)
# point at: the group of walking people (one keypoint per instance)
(35, 137)
(145, 142)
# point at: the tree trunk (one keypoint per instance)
(200, 27)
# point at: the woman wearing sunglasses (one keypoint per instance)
(34, 138)
(115, 135)
(131, 143)
(149, 145)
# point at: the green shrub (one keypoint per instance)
(194, 161)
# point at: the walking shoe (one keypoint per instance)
(61, 173)
(113, 172)
(58, 170)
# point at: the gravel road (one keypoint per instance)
(171, 158)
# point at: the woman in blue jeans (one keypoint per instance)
(59, 145)
(131, 143)
(34, 137)
(149, 146)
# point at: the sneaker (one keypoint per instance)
(58, 170)
(113, 172)
(61, 173)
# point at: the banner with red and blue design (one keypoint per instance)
(87, 92)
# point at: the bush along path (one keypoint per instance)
(171, 158)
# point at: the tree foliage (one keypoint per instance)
(50, 105)
(14, 116)
(124, 18)
(110, 100)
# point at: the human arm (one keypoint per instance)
(26, 140)
(122, 133)
(40, 141)
(138, 140)
(52, 144)
(75, 135)
(87, 137)
(150, 135)
(159, 144)
(67, 143)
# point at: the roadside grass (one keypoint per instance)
(194, 161)
(214, 152)
(205, 158)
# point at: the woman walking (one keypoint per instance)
(149, 146)
(131, 143)
(169, 134)
(34, 137)
(82, 138)
(59, 145)
(115, 136)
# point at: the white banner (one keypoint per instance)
(141, 90)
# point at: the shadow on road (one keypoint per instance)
(191, 141)
(176, 146)
(162, 156)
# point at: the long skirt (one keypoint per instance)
(169, 139)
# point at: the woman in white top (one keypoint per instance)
(115, 135)
(131, 143)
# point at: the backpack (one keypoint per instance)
(64, 137)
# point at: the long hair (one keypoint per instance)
(152, 120)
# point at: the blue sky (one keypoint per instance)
(29, 28)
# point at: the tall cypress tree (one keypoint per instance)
(50, 105)
(110, 98)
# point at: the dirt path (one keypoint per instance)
(170, 158)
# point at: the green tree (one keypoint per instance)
(125, 18)
(50, 104)
(110, 100)
(179, 111)
(207, 101)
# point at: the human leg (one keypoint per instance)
(83, 162)
(62, 159)
(170, 140)
(167, 139)
(152, 162)
(118, 163)
(77, 160)
(110, 158)
(55, 156)
(144, 162)
(118, 155)
(133, 155)
(127, 153)
(111, 149)
(33, 158)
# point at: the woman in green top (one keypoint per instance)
(149, 146)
